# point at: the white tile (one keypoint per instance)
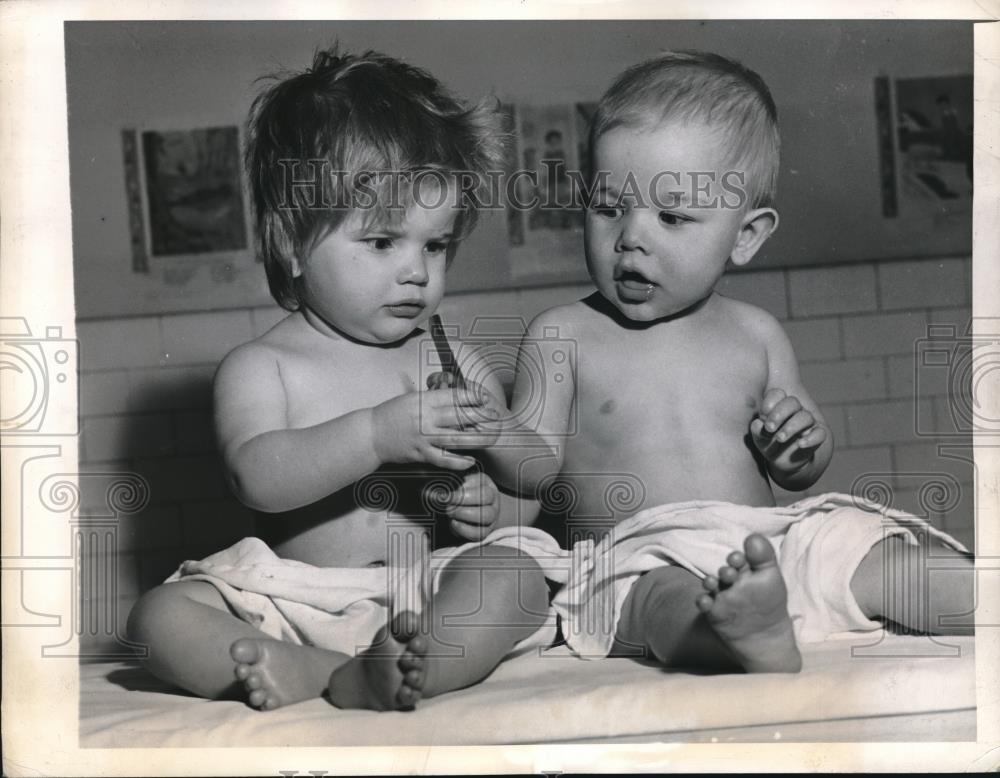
(849, 465)
(104, 393)
(887, 333)
(831, 290)
(200, 338)
(924, 283)
(156, 527)
(763, 288)
(171, 388)
(119, 343)
(814, 339)
(125, 437)
(844, 381)
(928, 457)
(892, 421)
(195, 432)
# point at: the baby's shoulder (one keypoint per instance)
(751, 320)
(262, 354)
(570, 319)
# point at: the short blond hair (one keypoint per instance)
(694, 85)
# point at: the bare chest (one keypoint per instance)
(326, 386)
(662, 388)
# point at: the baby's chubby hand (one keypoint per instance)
(492, 414)
(786, 433)
(473, 507)
(422, 426)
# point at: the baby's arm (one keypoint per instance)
(531, 443)
(273, 468)
(789, 430)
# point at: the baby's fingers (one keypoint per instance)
(783, 410)
(439, 457)
(800, 421)
(771, 398)
(463, 438)
(760, 437)
(814, 438)
(461, 417)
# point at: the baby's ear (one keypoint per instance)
(756, 227)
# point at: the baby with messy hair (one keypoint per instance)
(694, 400)
(359, 170)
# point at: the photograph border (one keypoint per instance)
(40, 694)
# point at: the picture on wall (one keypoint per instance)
(192, 193)
(551, 156)
(933, 146)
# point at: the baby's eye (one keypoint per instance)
(608, 211)
(671, 219)
(437, 247)
(379, 244)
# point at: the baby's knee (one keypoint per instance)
(159, 606)
(510, 581)
(146, 612)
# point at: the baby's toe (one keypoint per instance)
(417, 646)
(242, 672)
(711, 583)
(253, 681)
(408, 661)
(258, 697)
(270, 703)
(407, 697)
(759, 551)
(736, 559)
(414, 679)
(405, 626)
(704, 602)
(245, 651)
(728, 575)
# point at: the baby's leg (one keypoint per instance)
(196, 643)
(488, 600)
(659, 618)
(894, 583)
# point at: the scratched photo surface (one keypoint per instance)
(869, 274)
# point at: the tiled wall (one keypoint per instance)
(145, 397)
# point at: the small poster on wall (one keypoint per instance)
(550, 162)
(927, 161)
(190, 200)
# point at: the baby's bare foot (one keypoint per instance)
(390, 675)
(747, 606)
(275, 673)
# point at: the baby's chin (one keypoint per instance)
(383, 335)
(647, 312)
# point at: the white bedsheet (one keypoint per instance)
(558, 698)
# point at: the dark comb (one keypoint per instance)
(449, 364)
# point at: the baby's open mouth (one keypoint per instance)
(630, 279)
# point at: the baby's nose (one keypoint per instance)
(630, 238)
(414, 271)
